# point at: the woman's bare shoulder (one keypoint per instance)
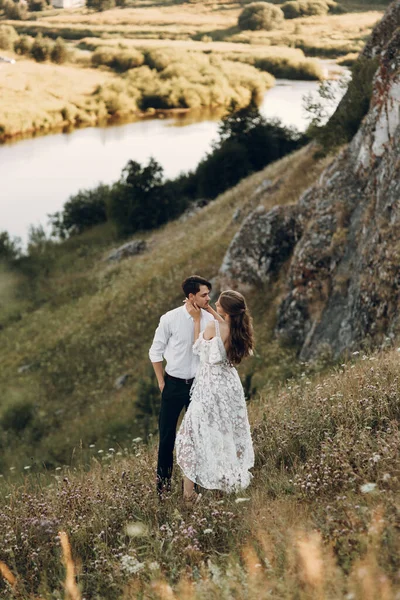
(209, 331)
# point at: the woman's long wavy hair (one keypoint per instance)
(241, 338)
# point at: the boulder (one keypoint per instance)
(126, 250)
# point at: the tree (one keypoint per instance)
(247, 142)
(59, 52)
(100, 5)
(41, 48)
(142, 200)
(10, 248)
(82, 211)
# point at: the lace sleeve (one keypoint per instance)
(197, 344)
(215, 355)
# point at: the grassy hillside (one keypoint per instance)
(319, 521)
(94, 322)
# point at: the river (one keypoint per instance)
(38, 175)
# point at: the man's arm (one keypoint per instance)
(156, 352)
(159, 371)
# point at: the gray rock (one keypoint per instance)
(126, 250)
(24, 368)
(263, 243)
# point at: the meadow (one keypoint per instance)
(109, 74)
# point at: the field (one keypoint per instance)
(203, 37)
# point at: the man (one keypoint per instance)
(173, 340)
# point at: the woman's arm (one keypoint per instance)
(214, 313)
(195, 312)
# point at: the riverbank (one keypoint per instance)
(43, 97)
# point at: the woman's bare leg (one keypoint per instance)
(188, 487)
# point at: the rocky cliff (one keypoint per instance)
(342, 239)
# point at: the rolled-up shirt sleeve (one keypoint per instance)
(160, 341)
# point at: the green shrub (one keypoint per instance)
(346, 120)
(16, 11)
(247, 143)
(260, 15)
(140, 200)
(118, 60)
(8, 37)
(37, 5)
(284, 68)
(41, 48)
(23, 45)
(17, 416)
(59, 52)
(82, 211)
(304, 8)
(10, 248)
(100, 5)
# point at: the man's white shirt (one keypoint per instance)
(173, 340)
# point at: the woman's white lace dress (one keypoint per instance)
(213, 444)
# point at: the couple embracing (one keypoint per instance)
(201, 347)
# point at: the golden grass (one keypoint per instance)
(71, 589)
(33, 94)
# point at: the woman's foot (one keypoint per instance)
(191, 499)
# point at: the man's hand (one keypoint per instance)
(161, 385)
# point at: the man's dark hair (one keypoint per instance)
(192, 284)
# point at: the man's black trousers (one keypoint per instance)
(174, 397)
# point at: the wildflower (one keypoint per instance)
(131, 565)
(239, 500)
(137, 529)
(27, 468)
(206, 531)
(367, 488)
(136, 440)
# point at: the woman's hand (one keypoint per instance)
(193, 310)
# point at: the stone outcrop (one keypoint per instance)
(343, 236)
(270, 239)
(126, 250)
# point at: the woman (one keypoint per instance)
(213, 445)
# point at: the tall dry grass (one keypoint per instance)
(278, 539)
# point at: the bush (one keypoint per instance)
(23, 45)
(15, 11)
(248, 142)
(100, 5)
(37, 5)
(10, 248)
(17, 416)
(260, 15)
(59, 52)
(119, 61)
(346, 120)
(304, 8)
(41, 48)
(141, 199)
(284, 68)
(8, 37)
